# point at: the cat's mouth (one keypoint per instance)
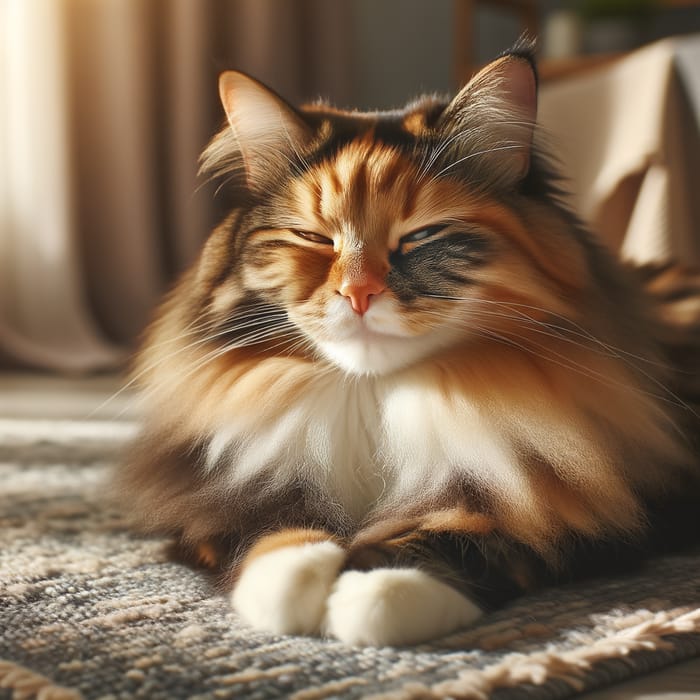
(378, 324)
(363, 348)
(376, 342)
(368, 332)
(367, 352)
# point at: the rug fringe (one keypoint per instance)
(567, 666)
(28, 685)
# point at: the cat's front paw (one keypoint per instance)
(394, 607)
(284, 591)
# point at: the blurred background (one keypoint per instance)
(105, 106)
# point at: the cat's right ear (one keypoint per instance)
(267, 129)
(500, 105)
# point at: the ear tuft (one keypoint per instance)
(525, 49)
(499, 107)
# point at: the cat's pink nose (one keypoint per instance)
(360, 291)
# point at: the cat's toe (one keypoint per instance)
(285, 591)
(394, 607)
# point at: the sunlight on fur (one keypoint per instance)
(403, 384)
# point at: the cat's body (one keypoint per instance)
(402, 384)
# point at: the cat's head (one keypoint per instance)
(379, 239)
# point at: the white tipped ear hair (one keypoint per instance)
(266, 127)
(510, 118)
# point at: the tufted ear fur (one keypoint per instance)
(267, 129)
(499, 104)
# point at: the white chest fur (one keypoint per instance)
(367, 440)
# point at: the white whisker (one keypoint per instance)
(474, 155)
(541, 328)
(255, 319)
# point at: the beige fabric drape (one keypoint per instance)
(628, 136)
(105, 106)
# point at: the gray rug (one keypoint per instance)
(87, 609)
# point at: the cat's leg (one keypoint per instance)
(284, 580)
(421, 579)
(290, 582)
(398, 583)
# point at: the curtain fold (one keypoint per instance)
(44, 316)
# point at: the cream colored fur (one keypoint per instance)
(395, 607)
(285, 591)
(297, 590)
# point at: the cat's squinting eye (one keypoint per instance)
(422, 234)
(314, 237)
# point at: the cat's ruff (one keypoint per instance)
(369, 443)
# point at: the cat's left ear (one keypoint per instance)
(267, 129)
(500, 104)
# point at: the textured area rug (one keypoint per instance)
(89, 610)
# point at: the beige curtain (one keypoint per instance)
(105, 106)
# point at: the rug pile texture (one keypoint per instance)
(90, 610)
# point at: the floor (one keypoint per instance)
(680, 682)
(46, 396)
(105, 397)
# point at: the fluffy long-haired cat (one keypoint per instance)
(402, 384)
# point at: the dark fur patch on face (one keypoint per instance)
(440, 267)
(387, 128)
(254, 319)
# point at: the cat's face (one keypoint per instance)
(374, 252)
(385, 238)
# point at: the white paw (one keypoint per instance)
(394, 607)
(285, 591)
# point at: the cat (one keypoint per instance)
(403, 384)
